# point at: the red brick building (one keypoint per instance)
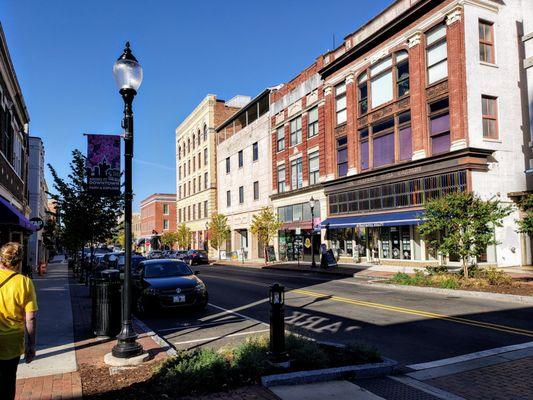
(158, 213)
(403, 117)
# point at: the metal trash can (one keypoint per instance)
(106, 303)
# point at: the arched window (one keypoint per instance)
(384, 81)
(179, 152)
(205, 132)
(188, 145)
(199, 137)
(193, 141)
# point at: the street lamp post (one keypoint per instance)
(312, 205)
(206, 246)
(128, 76)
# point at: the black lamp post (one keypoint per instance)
(277, 355)
(206, 241)
(128, 76)
(312, 205)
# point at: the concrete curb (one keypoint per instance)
(455, 292)
(170, 350)
(327, 374)
(274, 268)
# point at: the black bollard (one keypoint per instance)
(277, 356)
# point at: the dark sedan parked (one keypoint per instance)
(167, 284)
(197, 257)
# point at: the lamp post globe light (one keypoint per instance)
(128, 76)
(312, 202)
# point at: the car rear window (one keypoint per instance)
(161, 270)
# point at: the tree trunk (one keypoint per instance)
(465, 268)
(265, 253)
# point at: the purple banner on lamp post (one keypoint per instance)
(103, 164)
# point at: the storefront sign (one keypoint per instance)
(103, 164)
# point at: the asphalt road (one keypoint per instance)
(407, 327)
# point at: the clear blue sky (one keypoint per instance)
(63, 52)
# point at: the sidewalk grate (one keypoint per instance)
(390, 389)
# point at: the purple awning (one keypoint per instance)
(9, 215)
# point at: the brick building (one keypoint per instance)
(158, 213)
(196, 164)
(298, 159)
(428, 97)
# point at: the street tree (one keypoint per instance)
(265, 226)
(183, 237)
(219, 231)
(168, 239)
(84, 216)
(525, 224)
(462, 224)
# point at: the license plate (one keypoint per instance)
(179, 299)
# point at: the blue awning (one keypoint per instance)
(9, 215)
(365, 220)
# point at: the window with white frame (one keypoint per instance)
(296, 131)
(340, 103)
(280, 138)
(296, 173)
(166, 209)
(436, 54)
(165, 224)
(312, 122)
(313, 168)
(281, 178)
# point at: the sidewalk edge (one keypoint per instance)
(165, 345)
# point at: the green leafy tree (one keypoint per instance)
(168, 239)
(462, 224)
(183, 237)
(525, 225)
(84, 216)
(265, 226)
(219, 231)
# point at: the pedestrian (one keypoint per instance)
(18, 307)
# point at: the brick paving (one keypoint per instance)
(390, 389)
(506, 381)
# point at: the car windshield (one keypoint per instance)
(161, 270)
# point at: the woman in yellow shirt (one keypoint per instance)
(18, 306)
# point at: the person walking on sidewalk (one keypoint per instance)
(18, 307)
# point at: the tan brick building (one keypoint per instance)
(196, 164)
(158, 213)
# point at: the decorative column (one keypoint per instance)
(418, 95)
(328, 134)
(457, 79)
(351, 123)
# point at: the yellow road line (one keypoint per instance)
(488, 325)
(464, 321)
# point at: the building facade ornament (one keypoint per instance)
(350, 79)
(328, 90)
(454, 15)
(414, 39)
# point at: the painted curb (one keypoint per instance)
(170, 350)
(455, 292)
(328, 374)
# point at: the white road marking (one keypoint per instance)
(183, 327)
(234, 310)
(220, 337)
(471, 356)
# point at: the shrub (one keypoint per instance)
(440, 269)
(305, 353)
(366, 352)
(445, 281)
(249, 359)
(494, 276)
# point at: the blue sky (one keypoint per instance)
(63, 52)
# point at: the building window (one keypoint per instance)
(188, 213)
(437, 54)
(179, 215)
(296, 174)
(179, 172)
(383, 143)
(165, 224)
(194, 212)
(486, 42)
(342, 156)
(281, 178)
(205, 209)
(312, 122)
(165, 209)
(205, 156)
(200, 183)
(313, 168)
(364, 148)
(205, 180)
(340, 103)
(193, 141)
(193, 163)
(199, 160)
(205, 132)
(381, 88)
(255, 151)
(241, 194)
(199, 210)
(241, 161)
(439, 126)
(280, 133)
(179, 192)
(194, 185)
(296, 131)
(362, 89)
(490, 117)
(256, 190)
(405, 137)
(228, 198)
(228, 165)
(402, 73)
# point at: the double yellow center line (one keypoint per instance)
(487, 325)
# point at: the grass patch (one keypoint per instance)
(440, 277)
(206, 370)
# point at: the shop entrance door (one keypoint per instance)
(395, 242)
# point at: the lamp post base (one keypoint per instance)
(114, 361)
(127, 346)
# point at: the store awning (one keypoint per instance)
(365, 220)
(9, 215)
